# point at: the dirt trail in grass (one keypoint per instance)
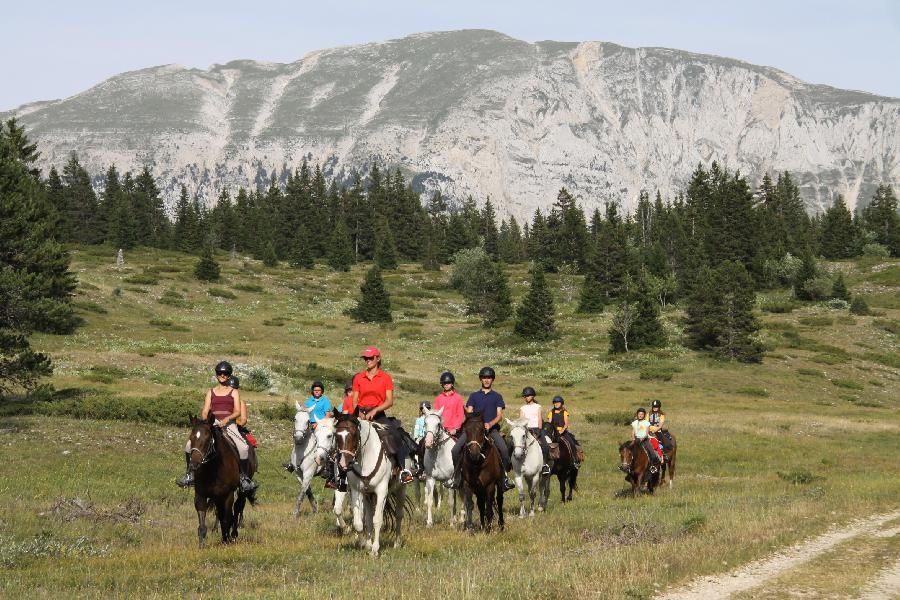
(756, 573)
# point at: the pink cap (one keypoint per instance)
(371, 352)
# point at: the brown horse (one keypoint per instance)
(216, 478)
(635, 463)
(563, 467)
(482, 472)
(669, 463)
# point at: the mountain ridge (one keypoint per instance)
(479, 112)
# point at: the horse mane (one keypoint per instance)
(624, 444)
(474, 415)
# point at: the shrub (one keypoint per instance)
(207, 268)
(89, 306)
(168, 325)
(892, 326)
(281, 411)
(616, 418)
(778, 306)
(798, 476)
(220, 293)
(875, 249)
(142, 279)
(753, 391)
(172, 298)
(848, 384)
(817, 288)
(248, 287)
(657, 372)
(837, 304)
(859, 306)
(811, 372)
(693, 523)
(816, 321)
(105, 374)
(257, 379)
(783, 271)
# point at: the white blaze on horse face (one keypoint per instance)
(197, 435)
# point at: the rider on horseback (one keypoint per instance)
(373, 394)
(559, 418)
(235, 384)
(452, 402)
(531, 412)
(225, 404)
(658, 428)
(490, 404)
(319, 408)
(640, 432)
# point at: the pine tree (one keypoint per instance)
(301, 254)
(720, 314)
(185, 224)
(839, 288)
(386, 250)
(647, 331)
(489, 235)
(593, 296)
(207, 268)
(431, 254)
(808, 271)
(81, 204)
(340, 253)
(496, 306)
(839, 235)
(534, 317)
(35, 283)
(374, 304)
(881, 219)
(269, 257)
(459, 236)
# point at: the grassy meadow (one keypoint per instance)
(768, 454)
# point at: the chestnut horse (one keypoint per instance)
(482, 472)
(216, 478)
(635, 463)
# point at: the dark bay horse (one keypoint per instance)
(563, 467)
(635, 463)
(669, 464)
(482, 473)
(216, 478)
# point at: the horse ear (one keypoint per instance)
(510, 423)
(211, 418)
(440, 411)
(297, 406)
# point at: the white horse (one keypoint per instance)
(527, 461)
(303, 457)
(438, 461)
(324, 439)
(369, 476)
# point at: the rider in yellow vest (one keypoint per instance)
(559, 418)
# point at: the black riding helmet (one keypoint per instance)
(558, 399)
(317, 384)
(641, 409)
(223, 368)
(656, 404)
(424, 404)
(487, 372)
(234, 382)
(447, 377)
(528, 391)
(348, 385)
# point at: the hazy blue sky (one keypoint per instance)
(55, 49)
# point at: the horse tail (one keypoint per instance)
(390, 509)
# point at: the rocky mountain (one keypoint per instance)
(477, 112)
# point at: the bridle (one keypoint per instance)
(442, 436)
(210, 449)
(352, 465)
(627, 466)
(529, 440)
(479, 444)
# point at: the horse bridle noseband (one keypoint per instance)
(526, 445)
(210, 449)
(439, 440)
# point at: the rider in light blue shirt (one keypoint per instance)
(318, 402)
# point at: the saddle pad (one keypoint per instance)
(554, 451)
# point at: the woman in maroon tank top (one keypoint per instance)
(225, 404)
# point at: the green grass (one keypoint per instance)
(742, 491)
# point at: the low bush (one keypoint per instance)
(811, 372)
(170, 408)
(837, 304)
(753, 391)
(168, 325)
(417, 386)
(248, 287)
(89, 307)
(136, 290)
(848, 384)
(876, 250)
(105, 374)
(221, 293)
(798, 476)
(256, 379)
(859, 306)
(816, 321)
(275, 322)
(173, 298)
(657, 373)
(778, 306)
(891, 326)
(142, 279)
(280, 411)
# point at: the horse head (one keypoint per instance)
(473, 427)
(626, 456)
(433, 425)
(347, 439)
(324, 434)
(203, 440)
(518, 434)
(301, 422)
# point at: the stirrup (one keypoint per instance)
(331, 485)
(508, 485)
(186, 481)
(289, 467)
(545, 470)
(247, 484)
(405, 476)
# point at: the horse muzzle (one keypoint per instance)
(625, 467)
(429, 440)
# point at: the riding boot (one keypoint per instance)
(507, 484)
(247, 484)
(455, 482)
(289, 467)
(188, 479)
(545, 469)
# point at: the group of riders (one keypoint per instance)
(370, 394)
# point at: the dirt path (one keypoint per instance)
(756, 573)
(885, 585)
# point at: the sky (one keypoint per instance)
(56, 49)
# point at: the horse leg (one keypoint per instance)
(573, 477)
(562, 486)
(368, 518)
(312, 500)
(377, 520)
(201, 504)
(672, 468)
(356, 505)
(400, 501)
(429, 501)
(532, 492)
(501, 523)
(467, 501)
(224, 508)
(520, 487)
(301, 493)
(338, 509)
(238, 520)
(482, 510)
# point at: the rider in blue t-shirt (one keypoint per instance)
(318, 402)
(490, 404)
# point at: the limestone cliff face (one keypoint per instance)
(477, 112)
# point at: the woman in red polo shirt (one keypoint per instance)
(373, 394)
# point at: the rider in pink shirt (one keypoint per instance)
(452, 403)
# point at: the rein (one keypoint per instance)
(529, 441)
(210, 450)
(354, 466)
